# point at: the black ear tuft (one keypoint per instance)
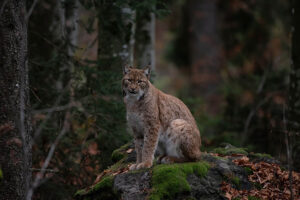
(126, 69)
(147, 72)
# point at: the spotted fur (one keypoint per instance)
(161, 123)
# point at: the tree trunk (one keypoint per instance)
(145, 45)
(128, 19)
(15, 129)
(294, 89)
(205, 52)
(116, 28)
(72, 26)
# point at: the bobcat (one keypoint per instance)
(161, 123)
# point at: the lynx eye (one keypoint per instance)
(139, 81)
(129, 80)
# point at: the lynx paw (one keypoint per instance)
(146, 164)
(133, 166)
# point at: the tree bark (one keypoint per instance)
(145, 45)
(116, 28)
(15, 156)
(294, 88)
(205, 52)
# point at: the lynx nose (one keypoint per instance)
(132, 91)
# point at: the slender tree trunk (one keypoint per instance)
(72, 27)
(15, 156)
(205, 52)
(294, 89)
(128, 19)
(145, 45)
(116, 28)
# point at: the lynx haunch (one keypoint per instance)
(161, 123)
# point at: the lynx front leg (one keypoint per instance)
(149, 147)
(138, 142)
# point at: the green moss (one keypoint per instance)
(1, 174)
(118, 165)
(120, 153)
(248, 170)
(236, 181)
(257, 185)
(170, 180)
(116, 156)
(80, 192)
(261, 155)
(237, 198)
(229, 151)
(106, 184)
(221, 158)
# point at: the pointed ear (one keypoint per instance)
(147, 72)
(126, 69)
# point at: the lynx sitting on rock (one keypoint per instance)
(161, 123)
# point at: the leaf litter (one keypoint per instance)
(269, 180)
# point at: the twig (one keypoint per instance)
(31, 10)
(90, 45)
(70, 59)
(46, 170)
(55, 109)
(262, 83)
(255, 108)
(40, 175)
(2, 7)
(288, 152)
(48, 116)
(35, 95)
(251, 115)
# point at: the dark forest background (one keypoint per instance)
(229, 61)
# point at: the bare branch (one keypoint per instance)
(31, 10)
(89, 46)
(40, 175)
(56, 108)
(288, 152)
(46, 170)
(251, 115)
(2, 7)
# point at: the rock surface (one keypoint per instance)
(140, 185)
(133, 185)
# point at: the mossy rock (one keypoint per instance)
(120, 153)
(229, 150)
(170, 180)
(260, 155)
(102, 190)
(181, 181)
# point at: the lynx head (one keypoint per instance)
(135, 83)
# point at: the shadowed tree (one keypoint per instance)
(145, 39)
(294, 87)
(205, 52)
(15, 157)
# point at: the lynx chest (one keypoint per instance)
(135, 121)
